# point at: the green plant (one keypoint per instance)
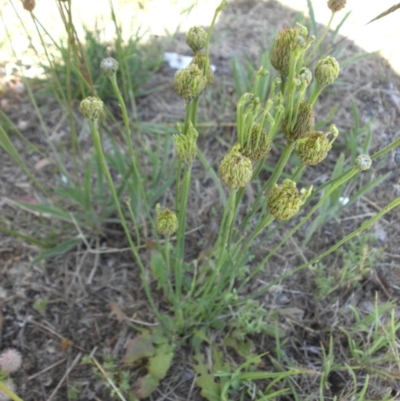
(208, 295)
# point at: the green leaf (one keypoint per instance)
(138, 348)
(41, 304)
(159, 270)
(242, 348)
(161, 362)
(58, 250)
(145, 386)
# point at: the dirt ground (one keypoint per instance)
(84, 287)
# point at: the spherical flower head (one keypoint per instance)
(10, 360)
(190, 82)
(285, 44)
(11, 386)
(363, 162)
(91, 108)
(284, 201)
(109, 66)
(166, 222)
(258, 146)
(326, 71)
(200, 60)
(235, 169)
(313, 148)
(196, 38)
(336, 5)
(304, 123)
(29, 5)
(185, 144)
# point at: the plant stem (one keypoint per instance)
(100, 155)
(287, 151)
(350, 174)
(368, 223)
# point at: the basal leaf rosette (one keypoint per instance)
(284, 201)
(235, 169)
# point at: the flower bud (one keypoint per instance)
(200, 60)
(336, 5)
(304, 123)
(109, 66)
(257, 146)
(235, 169)
(313, 148)
(190, 82)
(285, 44)
(29, 5)
(166, 222)
(10, 360)
(305, 76)
(185, 144)
(196, 38)
(91, 108)
(326, 71)
(362, 162)
(284, 201)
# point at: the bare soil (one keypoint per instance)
(86, 288)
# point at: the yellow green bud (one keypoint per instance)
(284, 201)
(190, 82)
(91, 108)
(185, 144)
(304, 123)
(166, 221)
(109, 66)
(196, 38)
(305, 76)
(285, 44)
(235, 169)
(362, 162)
(257, 146)
(200, 60)
(326, 71)
(314, 147)
(336, 5)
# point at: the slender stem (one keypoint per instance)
(257, 231)
(100, 155)
(180, 235)
(299, 171)
(287, 151)
(350, 174)
(319, 41)
(8, 392)
(316, 93)
(368, 223)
